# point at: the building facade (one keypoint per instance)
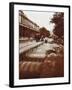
(27, 28)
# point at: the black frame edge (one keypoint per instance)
(69, 45)
(36, 85)
(11, 45)
(39, 4)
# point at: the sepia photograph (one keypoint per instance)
(39, 44)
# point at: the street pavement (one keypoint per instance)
(38, 65)
(28, 45)
(40, 52)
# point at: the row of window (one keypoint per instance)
(27, 23)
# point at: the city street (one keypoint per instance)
(41, 60)
(41, 51)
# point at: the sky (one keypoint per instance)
(41, 18)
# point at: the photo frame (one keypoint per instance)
(39, 44)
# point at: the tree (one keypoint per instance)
(44, 32)
(58, 20)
